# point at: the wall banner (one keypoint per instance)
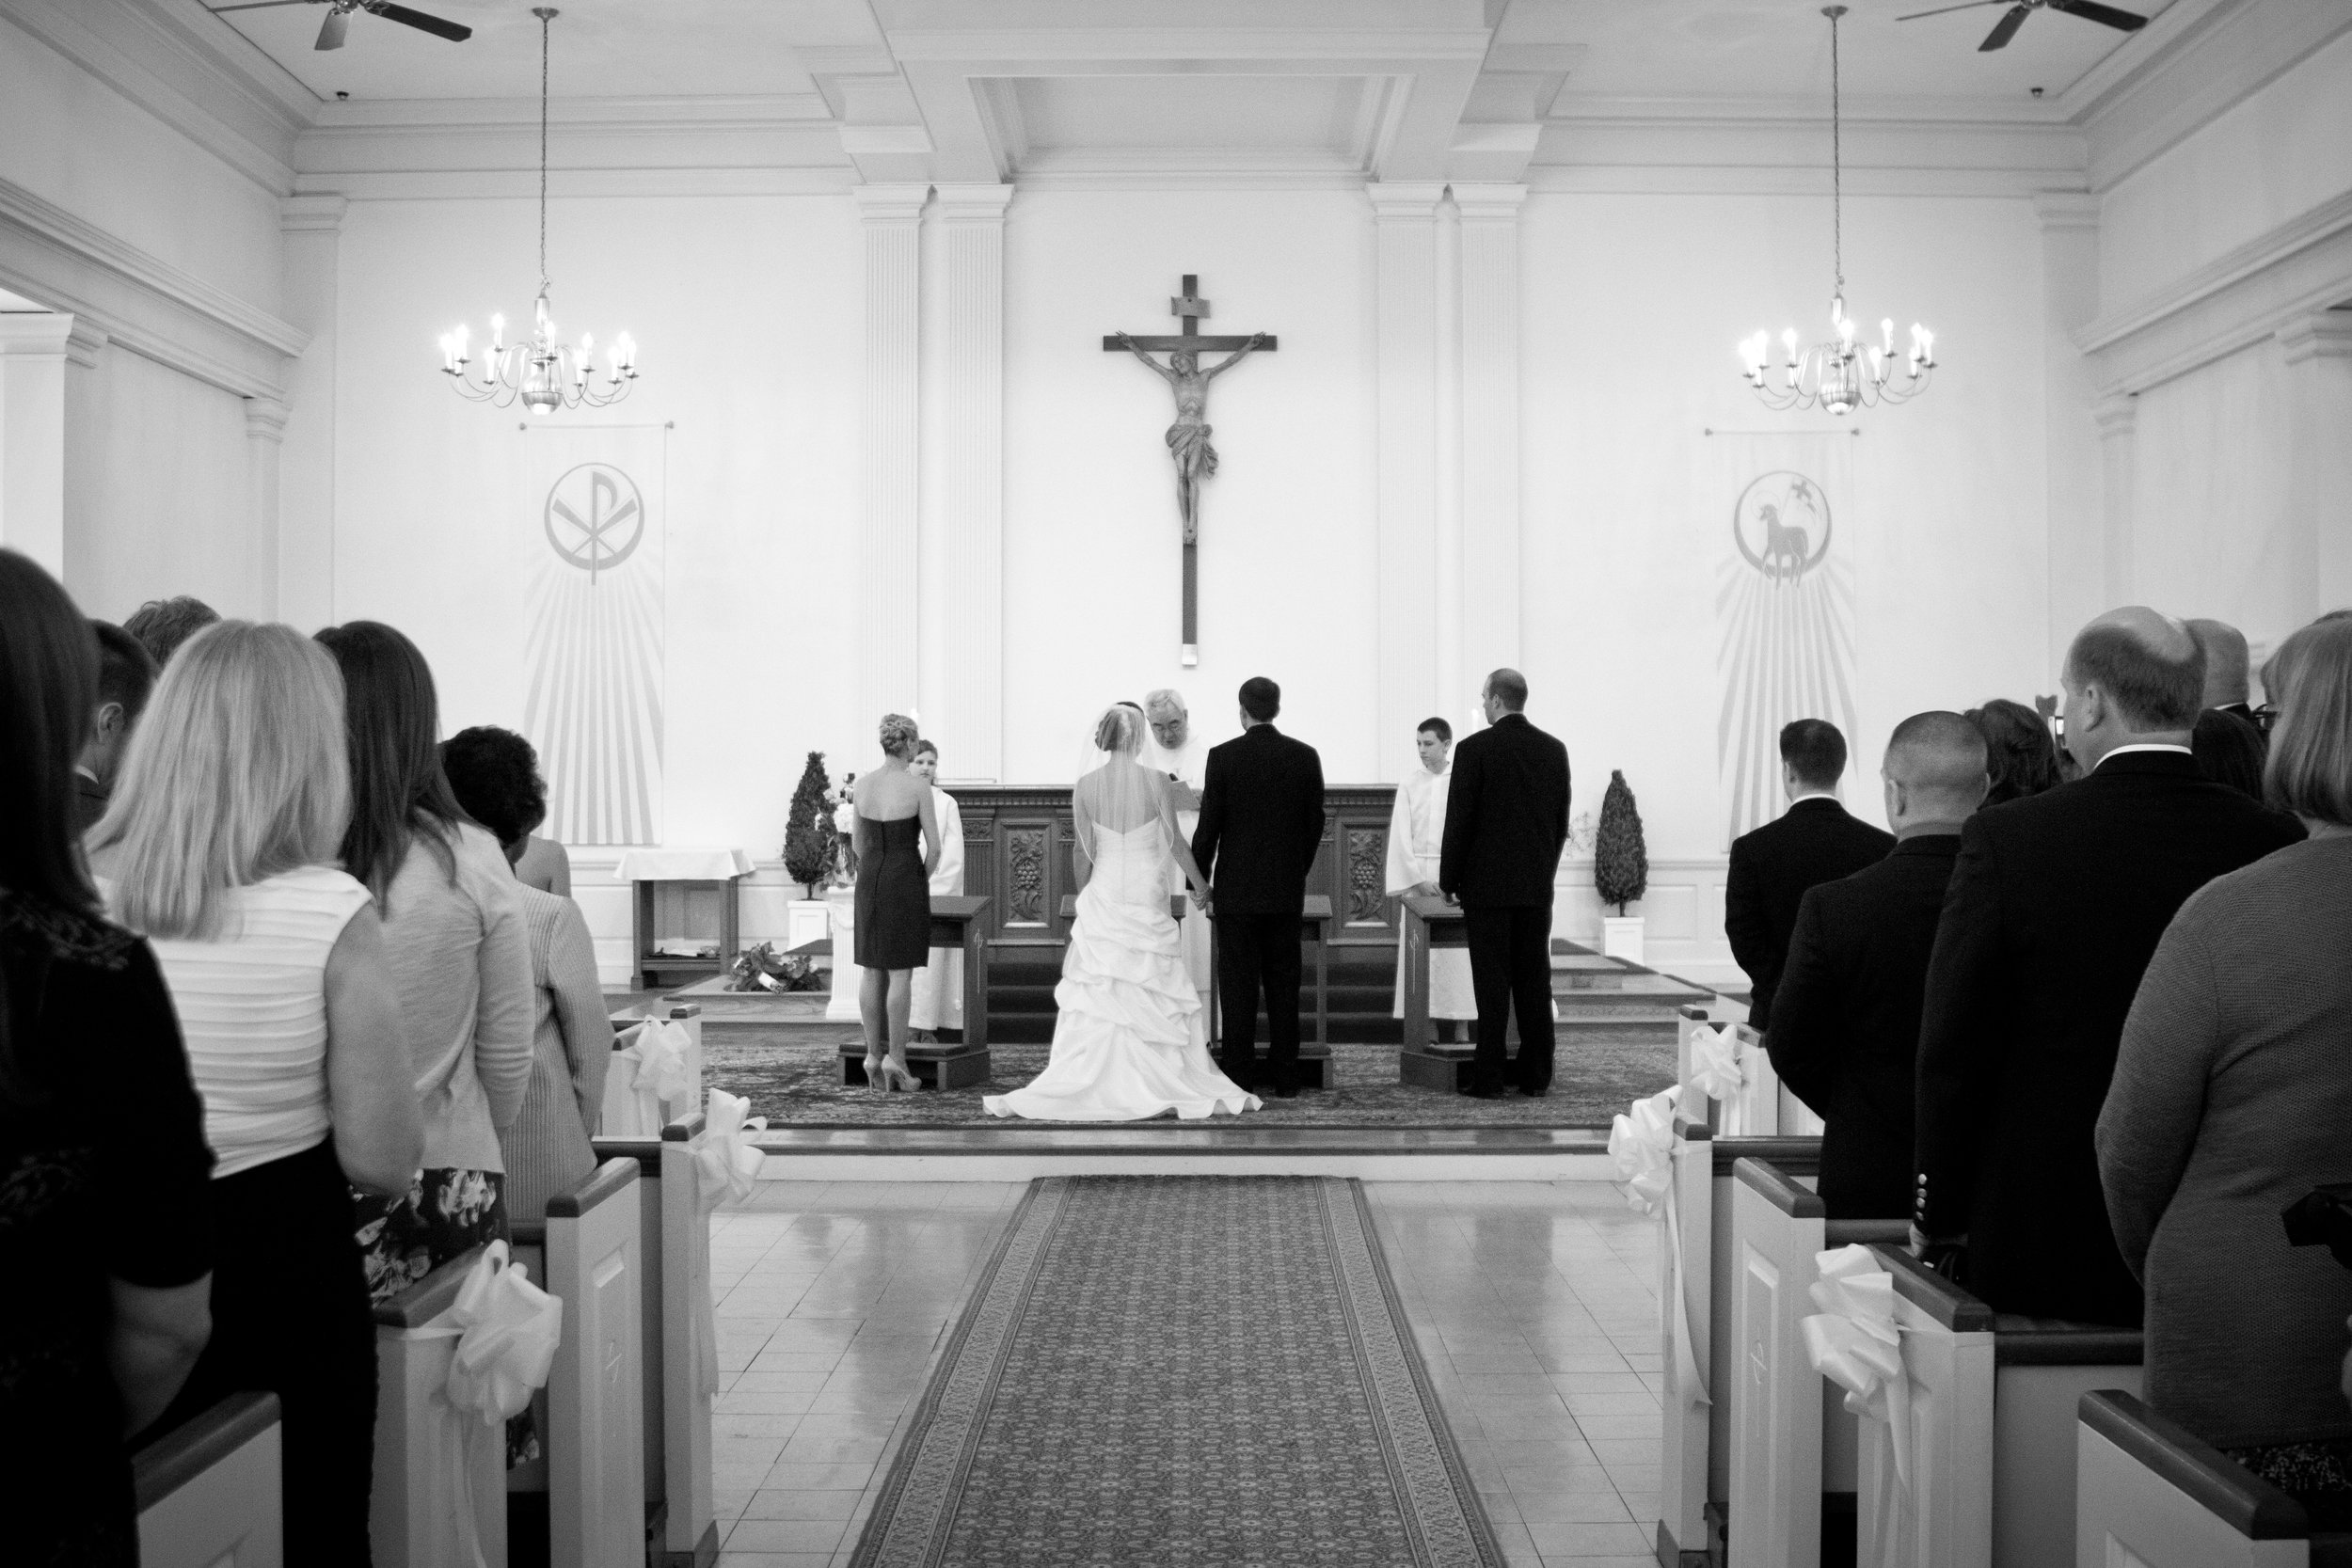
(589, 534)
(1784, 603)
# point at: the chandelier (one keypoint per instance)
(543, 374)
(1841, 373)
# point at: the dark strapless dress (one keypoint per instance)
(894, 896)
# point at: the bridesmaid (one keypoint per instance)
(893, 898)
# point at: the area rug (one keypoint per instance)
(794, 1084)
(1181, 1373)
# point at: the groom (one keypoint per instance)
(1261, 822)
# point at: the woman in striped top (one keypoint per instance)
(219, 847)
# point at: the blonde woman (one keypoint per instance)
(219, 846)
(893, 898)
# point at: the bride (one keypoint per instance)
(1129, 1042)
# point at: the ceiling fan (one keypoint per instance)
(2006, 29)
(339, 18)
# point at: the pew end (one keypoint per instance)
(413, 1511)
(210, 1493)
(2148, 1491)
(595, 1390)
(2043, 1369)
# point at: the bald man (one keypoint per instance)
(2227, 685)
(1846, 1017)
(2054, 907)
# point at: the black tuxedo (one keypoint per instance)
(2056, 906)
(1506, 817)
(1772, 868)
(1261, 823)
(1846, 1019)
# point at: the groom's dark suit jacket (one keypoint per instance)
(1261, 821)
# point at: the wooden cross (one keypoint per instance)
(1189, 438)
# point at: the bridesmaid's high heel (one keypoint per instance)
(874, 1079)
(896, 1077)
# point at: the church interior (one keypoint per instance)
(1715, 386)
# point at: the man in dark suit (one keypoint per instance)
(1813, 842)
(1261, 823)
(1506, 818)
(1846, 1014)
(125, 677)
(2054, 907)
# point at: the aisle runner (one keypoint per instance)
(1176, 1370)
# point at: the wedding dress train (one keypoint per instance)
(1130, 1041)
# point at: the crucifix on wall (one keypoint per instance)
(1189, 438)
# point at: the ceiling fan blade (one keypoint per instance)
(2091, 11)
(2005, 29)
(331, 31)
(259, 5)
(1970, 5)
(454, 32)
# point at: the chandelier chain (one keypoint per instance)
(1837, 165)
(545, 17)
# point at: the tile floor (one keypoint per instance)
(1532, 1301)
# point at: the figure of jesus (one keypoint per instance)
(1189, 438)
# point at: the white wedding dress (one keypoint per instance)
(1130, 1041)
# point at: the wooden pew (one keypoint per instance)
(594, 1438)
(2148, 1491)
(624, 1116)
(1994, 1401)
(412, 1514)
(681, 1523)
(209, 1492)
(1792, 1443)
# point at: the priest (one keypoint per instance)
(1416, 843)
(1174, 751)
(937, 1000)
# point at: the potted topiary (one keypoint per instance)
(1620, 869)
(808, 828)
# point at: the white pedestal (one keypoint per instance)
(1621, 938)
(841, 912)
(805, 920)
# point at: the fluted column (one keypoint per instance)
(888, 623)
(1405, 224)
(2319, 352)
(264, 447)
(2075, 519)
(1491, 579)
(2116, 418)
(965, 711)
(304, 570)
(32, 434)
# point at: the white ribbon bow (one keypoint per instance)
(1715, 1068)
(507, 1330)
(1855, 1343)
(1642, 1144)
(663, 1067)
(724, 1165)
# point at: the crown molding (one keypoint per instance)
(719, 112)
(1734, 178)
(522, 184)
(2262, 253)
(1185, 49)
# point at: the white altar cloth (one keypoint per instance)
(660, 863)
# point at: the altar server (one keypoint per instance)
(939, 985)
(1175, 751)
(1416, 844)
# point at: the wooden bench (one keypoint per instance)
(594, 1438)
(412, 1513)
(626, 1114)
(209, 1492)
(681, 1524)
(2149, 1492)
(1994, 1408)
(958, 921)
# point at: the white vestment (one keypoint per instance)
(1416, 843)
(938, 998)
(1190, 764)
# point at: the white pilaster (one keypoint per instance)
(1405, 224)
(1492, 611)
(303, 569)
(888, 621)
(2319, 352)
(2076, 520)
(2116, 418)
(965, 713)
(264, 446)
(33, 346)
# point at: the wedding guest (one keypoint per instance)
(893, 929)
(1846, 1015)
(1416, 847)
(936, 1001)
(105, 1219)
(125, 677)
(1507, 822)
(221, 846)
(493, 774)
(545, 864)
(1813, 842)
(2228, 750)
(2227, 684)
(460, 954)
(162, 625)
(2232, 1090)
(1174, 749)
(2021, 755)
(2055, 907)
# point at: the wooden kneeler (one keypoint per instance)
(413, 1512)
(210, 1493)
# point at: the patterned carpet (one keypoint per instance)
(1170, 1372)
(798, 1084)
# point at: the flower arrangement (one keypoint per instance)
(763, 968)
(841, 815)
